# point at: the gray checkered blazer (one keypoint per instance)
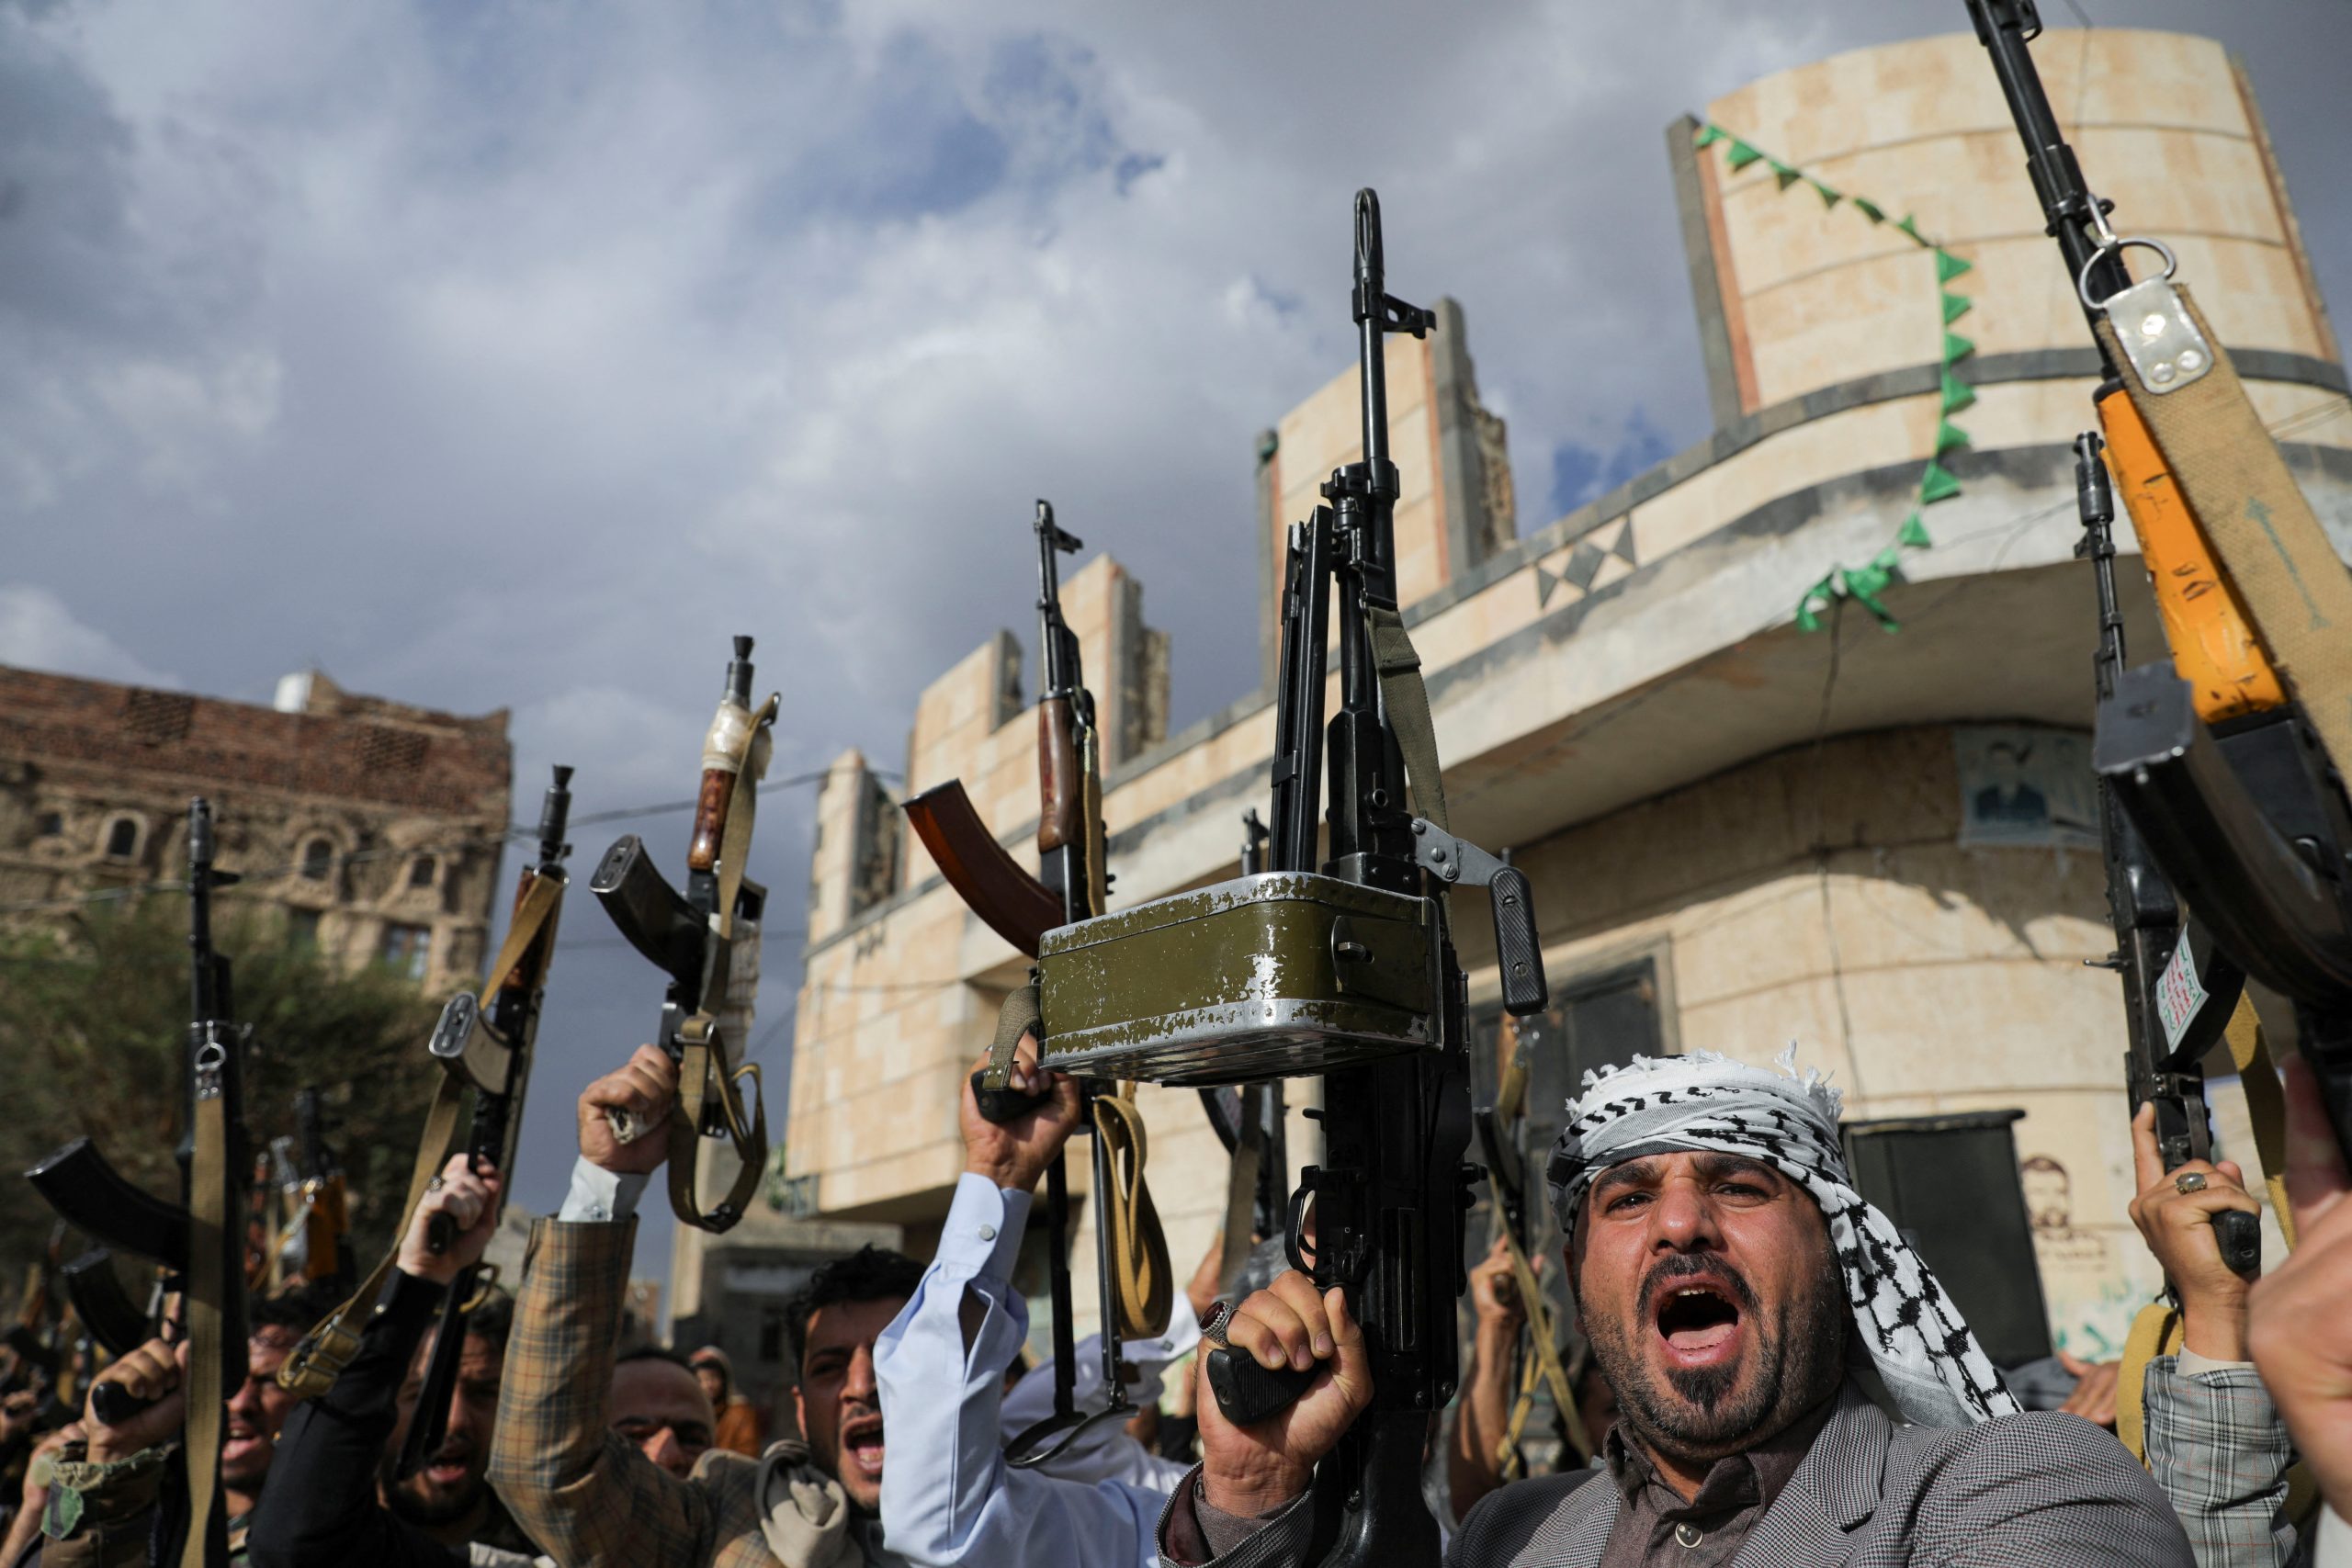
(2035, 1490)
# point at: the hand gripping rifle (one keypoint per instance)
(487, 1054)
(2178, 988)
(706, 940)
(200, 1241)
(497, 1051)
(1131, 1256)
(2229, 760)
(1348, 970)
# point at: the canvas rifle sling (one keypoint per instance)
(706, 1075)
(1405, 699)
(1241, 1188)
(207, 1401)
(1142, 1289)
(1015, 1017)
(2261, 528)
(1510, 1100)
(328, 1348)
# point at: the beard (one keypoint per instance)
(420, 1502)
(1795, 1358)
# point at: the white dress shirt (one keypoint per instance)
(947, 1494)
(1104, 1452)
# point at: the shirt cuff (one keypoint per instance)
(599, 1196)
(982, 1236)
(2192, 1364)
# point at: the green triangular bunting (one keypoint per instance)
(1936, 484)
(1783, 173)
(1955, 307)
(1707, 136)
(1957, 348)
(1910, 226)
(1949, 266)
(1957, 394)
(1870, 210)
(1742, 155)
(1914, 534)
(1948, 435)
(1829, 198)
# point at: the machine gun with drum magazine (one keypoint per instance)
(1341, 966)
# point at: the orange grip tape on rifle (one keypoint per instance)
(2214, 647)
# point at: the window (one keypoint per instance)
(122, 837)
(50, 825)
(302, 929)
(407, 949)
(317, 860)
(772, 1341)
(420, 871)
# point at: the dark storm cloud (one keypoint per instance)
(504, 355)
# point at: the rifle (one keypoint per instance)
(315, 1241)
(1348, 970)
(2178, 988)
(199, 1241)
(706, 942)
(499, 1046)
(2248, 822)
(1070, 858)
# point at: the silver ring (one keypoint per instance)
(1212, 1322)
(2188, 1182)
(434, 1185)
(2083, 278)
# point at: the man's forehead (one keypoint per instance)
(1650, 1168)
(837, 1325)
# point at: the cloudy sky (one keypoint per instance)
(489, 353)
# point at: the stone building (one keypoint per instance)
(372, 828)
(1740, 834)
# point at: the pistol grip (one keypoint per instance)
(112, 1404)
(1002, 1106)
(440, 1229)
(2239, 1234)
(1248, 1393)
(1518, 954)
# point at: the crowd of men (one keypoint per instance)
(1779, 1378)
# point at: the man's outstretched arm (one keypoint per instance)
(583, 1492)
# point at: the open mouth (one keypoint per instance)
(861, 1446)
(238, 1440)
(1700, 1321)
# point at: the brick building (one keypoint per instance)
(373, 825)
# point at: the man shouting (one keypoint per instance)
(1793, 1386)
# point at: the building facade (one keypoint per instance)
(1742, 835)
(370, 828)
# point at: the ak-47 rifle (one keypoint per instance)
(200, 1241)
(497, 1043)
(1343, 966)
(706, 940)
(315, 1244)
(1131, 1258)
(2229, 758)
(487, 1056)
(2178, 988)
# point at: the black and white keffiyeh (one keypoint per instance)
(1924, 1352)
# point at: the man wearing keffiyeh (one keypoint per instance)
(1794, 1385)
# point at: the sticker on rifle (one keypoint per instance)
(2179, 993)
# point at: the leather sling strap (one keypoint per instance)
(2262, 531)
(1405, 699)
(208, 1285)
(328, 1348)
(1142, 1289)
(1241, 1187)
(710, 1080)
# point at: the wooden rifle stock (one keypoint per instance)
(1060, 782)
(1014, 904)
(710, 819)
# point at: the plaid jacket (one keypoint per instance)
(583, 1492)
(2034, 1491)
(2218, 1448)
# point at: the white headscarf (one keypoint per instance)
(1930, 1363)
